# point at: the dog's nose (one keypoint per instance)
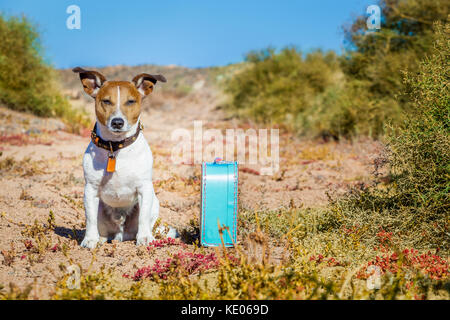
(117, 123)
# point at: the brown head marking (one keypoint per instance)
(117, 98)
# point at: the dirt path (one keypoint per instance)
(40, 172)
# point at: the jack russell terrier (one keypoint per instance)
(119, 199)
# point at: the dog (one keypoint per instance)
(119, 199)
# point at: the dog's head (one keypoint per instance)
(117, 103)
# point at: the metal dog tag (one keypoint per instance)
(219, 203)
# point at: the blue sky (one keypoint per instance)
(191, 33)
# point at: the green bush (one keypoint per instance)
(27, 83)
(415, 204)
(355, 94)
(373, 65)
(421, 148)
(275, 87)
(348, 110)
(405, 37)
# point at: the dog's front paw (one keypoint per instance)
(144, 239)
(90, 242)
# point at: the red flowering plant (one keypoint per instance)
(384, 237)
(385, 240)
(166, 242)
(431, 265)
(181, 263)
(331, 262)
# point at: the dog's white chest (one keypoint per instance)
(119, 192)
(133, 168)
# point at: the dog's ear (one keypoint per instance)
(91, 80)
(144, 82)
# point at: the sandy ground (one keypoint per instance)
(40, 172)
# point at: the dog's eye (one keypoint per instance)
(107, 102)
(130, 102)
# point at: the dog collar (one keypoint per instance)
(113, 146)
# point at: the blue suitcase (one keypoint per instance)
(219, 202)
